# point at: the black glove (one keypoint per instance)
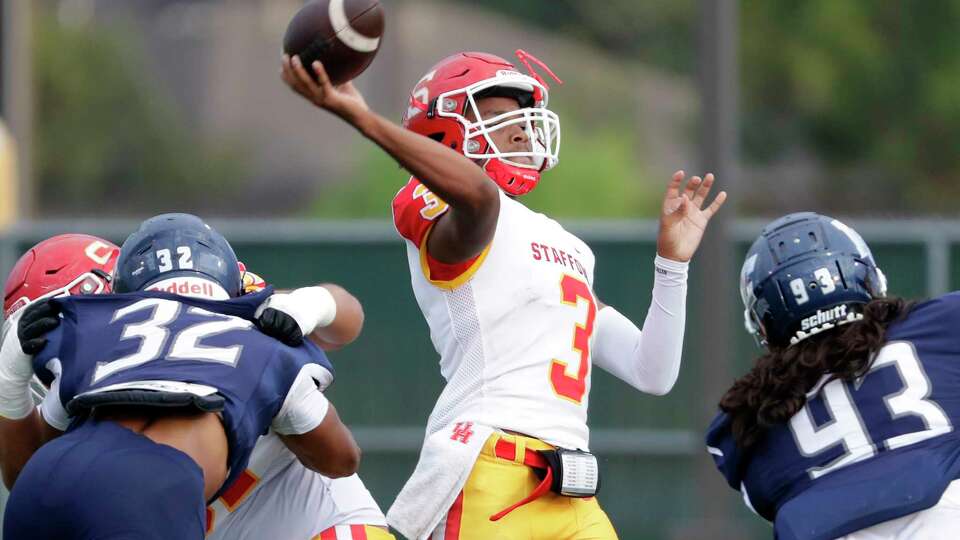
(280, 326)
(37, 320)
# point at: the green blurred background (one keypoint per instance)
(852, 104)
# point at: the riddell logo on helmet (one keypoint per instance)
(15, 307)
(822, 317)
(190, 286)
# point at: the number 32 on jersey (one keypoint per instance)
(567, 386)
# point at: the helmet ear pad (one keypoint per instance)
(449, 135)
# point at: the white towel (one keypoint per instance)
(445, 463)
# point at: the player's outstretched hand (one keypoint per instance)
(344, 100)
(37, 320)
(683, 218)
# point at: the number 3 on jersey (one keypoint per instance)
(566, 386)
(433, 206)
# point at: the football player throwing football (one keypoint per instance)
(508, 294)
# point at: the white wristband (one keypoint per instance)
(16, 401)
(322, 306)
(311, 307)
(669, 272)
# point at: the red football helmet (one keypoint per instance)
(442, 99)
(60, 266)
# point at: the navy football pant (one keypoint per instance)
(102, 481)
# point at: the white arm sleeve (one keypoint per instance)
(648, 360)
(310, 307)
(16, 370)
(305, 405)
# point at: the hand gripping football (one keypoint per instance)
(344, 35)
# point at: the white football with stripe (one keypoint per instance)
(344, 35)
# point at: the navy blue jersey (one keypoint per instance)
(864, 451)
(118, 341)
(41, 362)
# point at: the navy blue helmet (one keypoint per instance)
(806, 273)
(176, 245)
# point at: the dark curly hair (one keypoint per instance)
(775, 389)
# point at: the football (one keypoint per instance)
(344, 35)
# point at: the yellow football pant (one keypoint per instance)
(496, 483)
(354, 532)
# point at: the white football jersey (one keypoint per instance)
(277, 497)
(513, 327)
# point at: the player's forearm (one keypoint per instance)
(447, 173)
(328, 449)
(662, 348)
(346, 325)
(19, 439)
(647, 360)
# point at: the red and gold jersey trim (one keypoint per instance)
(354, 532)
(238, 491)
(445, 275)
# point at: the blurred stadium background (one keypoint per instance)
(114, 110)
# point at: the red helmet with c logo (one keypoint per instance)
(62, 265)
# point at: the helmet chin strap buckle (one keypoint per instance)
(512, 180)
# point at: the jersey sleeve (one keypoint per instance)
(415, 211)
(41, 362)
(723, 449)
(301, 375)
(304, 406)
(47, 367)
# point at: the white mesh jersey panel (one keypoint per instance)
(499, 333)
(465, 382)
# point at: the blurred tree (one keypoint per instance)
(868, 93)
(656, 32)
(870, 90)
(873, 88)
(104, 133)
